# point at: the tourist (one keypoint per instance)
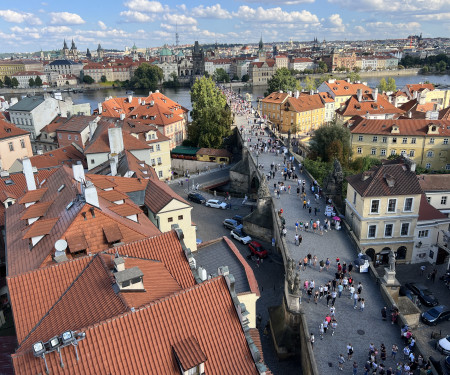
(341, 361)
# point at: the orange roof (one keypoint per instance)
(9, 130)
(32, 195)
(419, 87)
(64, 155)
(260, 64)
(406, 127)
(158, 194)
(353, 107)
(304, 103)
(36, 210)
(55, 124)
(121, 184)
(112, 195)
(344, 88)
(189, 353)
(111, 345)
(428, 212)
(125, 209)
(276, 97)
(76, 242)
(434, 182)
(40, 227)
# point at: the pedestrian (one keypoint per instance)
(332, 311)
(350, 268)
(384, 313)
(383, 352)
(327, 263)
(333, 296)
(321, 265)
(355, 300)
(320, 291)
(349, 351)
(314, 261)
(340, 288)
(305, 262)
(316, 296)
(352, 291)
(433, 275)
(321, 331)
(296, 226)
(362, 304)
(309, 258)
(298, 191)
(328, 298)
(333, 326)
(309, 210)
(394, 351)
(310, 292)
(406, 352)
(311, 340)
(284, 232)
(341, 361)
(360, 288)
(296, 239)
(300, 239)
(355, 368)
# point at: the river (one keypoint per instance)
(182, 95)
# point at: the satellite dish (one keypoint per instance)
(61, 245)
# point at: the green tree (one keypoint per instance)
(245, 78)
(309, 84)
(382, 86)
(147, 77)
(356, 69)
(235, 78)
(103, 78)
(211, 116)
(38, 81)
(441, 66)
(391, 86)
(31, 82)
(220, 75)
(354, 77)
(7, 81)
(14, 82)
(331, 141)
(283, 80)
(88, 79)
(1, 84)
(322, 67)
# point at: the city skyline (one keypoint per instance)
(32, 26)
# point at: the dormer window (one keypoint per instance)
(189, 356)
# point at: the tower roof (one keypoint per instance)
(65, 45)
(261, 45)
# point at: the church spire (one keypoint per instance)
(261, 45)
(65, 44)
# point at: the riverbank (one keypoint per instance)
(38, 90)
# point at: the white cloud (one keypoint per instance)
(278, 2)
(133, 16)
(145, 6)
(433, 17)
(336, 23)
(56, 29)
(214, 11)
(274, 15)
(179, 19)
(390, 6)
(102, 25)
(182, 7)
(29, 32)
(19, 17)
(65, 18)
(360, 30)
(387, 27)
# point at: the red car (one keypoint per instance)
(257, 249)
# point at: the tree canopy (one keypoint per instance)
(147, 77)
(309, 84)
(329, 142)
(7, 81)
(390, 85)
(31, 82)
(220, 75)
(38, 81)
(283, 80)
(211, 115)
(88, 79)
(14, 82)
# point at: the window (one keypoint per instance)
(405, 140)
(383, 152)
(427, 166)
(411, 153)
(393, 152)
(428, 199)
(151, 149)
(388, 229)
(431, 141)
(404, 231)
(375, 205)
(371, 233)
(360, 138)
(22, 143)
(180, 217)
(159, 161)
(430, 154)
(444, 199)
(392, 204)
(160, 174)
(354, 197)
(76, 137)
(69, 137)
(11, 147)
(394, 140)
(413, 140)
(445, 142)
(59, 136)
(359, 150)
(375, 139)
(373, 151)
(170, 219)
(423, 233)
(408, 204)
(447, 167)
(158, 147)
(384, 139)
(403, 152)
(92, 161)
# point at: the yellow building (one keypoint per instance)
(302, 113)
(426, 93)
(426, 142)
(382, 209)
(271, 107)
(214, 155)
(14, 144)
(10, 67)
(341, 90)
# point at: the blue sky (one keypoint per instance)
(35, 25)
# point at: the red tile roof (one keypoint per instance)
(112, 195)
(36, 210)
(434, 182)
(9, 130)
(344, 88)
(125, 209)
(111, 345)
(32, 195)
(353, 107)
(276, 97)
(67, 155)
(40, 228)
(189, 353)
(304, 103)
(428, 212)
(158, 195)
(76, 124)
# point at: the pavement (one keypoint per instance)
(360, 328)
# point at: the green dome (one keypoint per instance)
(165, 52)
(180, 54)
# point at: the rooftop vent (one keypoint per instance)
(130, 279)
(390, 180)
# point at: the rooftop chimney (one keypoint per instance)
(100, 108)
(130, 279)
(90, 194)
(115, 140)
(113, 161)
(28, 172)
(297, 94)
(78, 172)
(119, 264)
(93, 125)
(130, 98)
(390, 180)
(359, 95)
(122, 116)
(375, 94)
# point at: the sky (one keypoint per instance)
(31, 25)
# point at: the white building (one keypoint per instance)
(24, 78)
(437, 190)
(301, 63)
(64, 67)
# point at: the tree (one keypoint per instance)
(322, 67)
(14, 82)
(38, 81)
(354, 77)
(1, 84)
(310, 83)
(331, 141)
(391, 86)
(31, 82)
(7, 81)
(245, 78)
(103, 78)
(147, 77)
(88, 79)
(211, 115)
(235, 78)
(283, 80)
(220, 75)
(382, 86)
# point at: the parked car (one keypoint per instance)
(231, 224)
(238, 218)
(215, 203)
(443, 345)
(241, 236)
(424, 294)
(196, 197)
(447, 363)
(257, 249)
(406, 292)
(435, 315)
